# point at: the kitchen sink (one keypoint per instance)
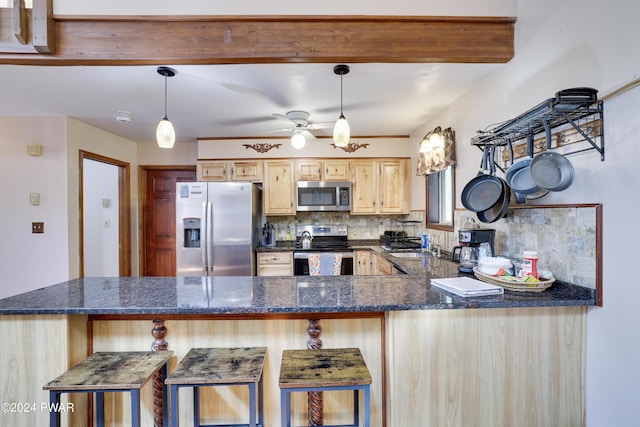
(407, 254)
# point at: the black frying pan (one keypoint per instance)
(485, 190)
(500, 208)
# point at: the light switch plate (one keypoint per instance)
(37, 227)
(34, 199)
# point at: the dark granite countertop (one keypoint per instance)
(279, 295)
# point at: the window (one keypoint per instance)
(440, 199)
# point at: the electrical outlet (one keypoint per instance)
(37, 227)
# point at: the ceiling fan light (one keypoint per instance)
(165, 134)
(341, 132)
(298, 141)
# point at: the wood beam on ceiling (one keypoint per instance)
(137, 40)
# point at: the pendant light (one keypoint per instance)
(341, 130)
(165, 133)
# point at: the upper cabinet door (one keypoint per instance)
(309, 170)
(394, 186)
(364, 187)
(211, 171)
(337, 170)
(278, 192)
(250, 171)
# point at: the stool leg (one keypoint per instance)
(174, 405)
(260, 408)
(252, 404)
(356, 408)
(285, 409)
(100, 409)
(367, 414)
(54, 402)
(135, 408)
(196, 406)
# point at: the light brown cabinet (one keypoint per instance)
(381, 266)
(279, 188)
(211, 171)
(275, 264)
(380, 186)
(368, 263)
(362, 263)
(232, 170)
(323, 170)
(250, 170)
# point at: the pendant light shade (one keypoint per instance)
(297, 140)
(341, 130)
(165, 132)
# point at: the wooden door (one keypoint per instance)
(159, 220)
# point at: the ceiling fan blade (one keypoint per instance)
(245, 121)
(321, 125)
(278, 130)
(308, 135)
(282, 117)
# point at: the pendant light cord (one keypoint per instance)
(165, 97)
(341, 91)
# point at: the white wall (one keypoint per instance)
(30, 261)
(100, 219)
(571, 43)
(287, 7)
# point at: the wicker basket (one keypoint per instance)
(515, 285)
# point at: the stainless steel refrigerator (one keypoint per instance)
(217, 228)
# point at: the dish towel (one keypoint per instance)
(325, 264)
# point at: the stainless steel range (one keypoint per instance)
(324, 238)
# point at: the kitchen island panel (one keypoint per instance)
(35, 349)
(501, 367)
(275, 334)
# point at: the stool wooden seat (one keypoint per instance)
(323, 370)
(210, 367)
(109, 372)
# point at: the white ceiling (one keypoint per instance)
(239, 100)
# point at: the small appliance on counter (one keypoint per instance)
(471, 241)
(268, 235)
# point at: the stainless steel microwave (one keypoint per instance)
(323, 196)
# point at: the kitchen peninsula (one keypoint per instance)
(436, 359)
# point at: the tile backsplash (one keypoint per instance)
(564, 237)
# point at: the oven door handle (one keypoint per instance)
(305, 255)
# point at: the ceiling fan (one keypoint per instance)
(299, 123)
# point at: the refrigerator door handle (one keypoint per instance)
(209, 263)
(203, 235)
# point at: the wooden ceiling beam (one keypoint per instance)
(138, 40)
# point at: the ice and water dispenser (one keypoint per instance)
(191, 227)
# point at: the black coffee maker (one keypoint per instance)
(468, 252)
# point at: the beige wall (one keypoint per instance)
(29, 261)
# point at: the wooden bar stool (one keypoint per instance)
(211, 367)
(324, 370)
(109, 372)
